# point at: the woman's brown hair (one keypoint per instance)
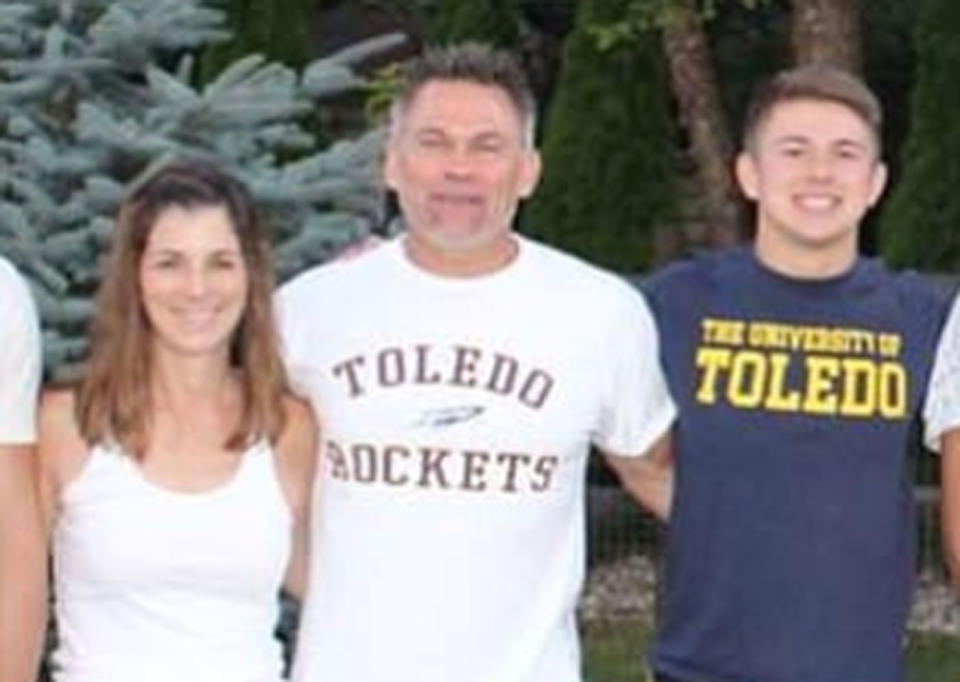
(114, 397)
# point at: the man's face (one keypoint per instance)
(813, 170)
(458, 162)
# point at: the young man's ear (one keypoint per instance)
(880, 175)
(745, 170)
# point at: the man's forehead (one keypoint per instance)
(459, 99)
(452, 114)
(816, 120)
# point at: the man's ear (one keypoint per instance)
(390, 167)
(745, 170)
(880, 175)
(529, 173)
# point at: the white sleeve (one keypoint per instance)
(941, 411)
(19, 359)
(638, 408)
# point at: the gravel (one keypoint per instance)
(626, 588)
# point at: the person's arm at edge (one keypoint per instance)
(60, 451)
(297, 450)
(23, 572)
(23, 575)
(950, 500)
(648, 478)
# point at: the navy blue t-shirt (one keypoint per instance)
(790, 547)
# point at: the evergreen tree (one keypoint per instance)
(93, 94)
(920, 225)
(489, 21)
(608, 178)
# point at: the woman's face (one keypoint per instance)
(193, 281)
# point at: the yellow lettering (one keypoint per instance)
(725, 332)
(890, 345)
(711, 361)
(893, 390)
(758, 335)
(778, 398)
(859, 394)
(747, 379)
(821, 396)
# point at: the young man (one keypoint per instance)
(797, 367)
(22, 547)
(461, 373)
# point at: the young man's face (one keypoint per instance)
(459, 164)
(813, 171)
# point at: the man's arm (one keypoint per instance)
(649, 478)
(950, 500)
(23, 583)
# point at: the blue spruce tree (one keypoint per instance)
(95, 93)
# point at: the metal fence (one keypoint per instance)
(618, 606)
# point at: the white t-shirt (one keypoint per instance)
(448, 534)
(19, 359)
(941, 412)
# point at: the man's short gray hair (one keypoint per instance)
(474, 63)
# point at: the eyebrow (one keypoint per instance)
(161, 251)
(430, 131)
(483, 135)
(851, 143)
(802, 139)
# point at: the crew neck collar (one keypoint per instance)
(501, 274)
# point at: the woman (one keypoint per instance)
(176, 474)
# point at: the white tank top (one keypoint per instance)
(155, 585)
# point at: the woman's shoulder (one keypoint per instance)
(57, 414)
(299, 421)
(61, 448)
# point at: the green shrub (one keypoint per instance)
(609, 176)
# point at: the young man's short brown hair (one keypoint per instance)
(475, 63)
(819, 82)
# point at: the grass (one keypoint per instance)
(613, 652)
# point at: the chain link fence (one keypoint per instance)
(618, 607)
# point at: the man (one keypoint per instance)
(460, 373)
(797, 367)
(22, 546)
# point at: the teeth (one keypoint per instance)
(817, 202)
